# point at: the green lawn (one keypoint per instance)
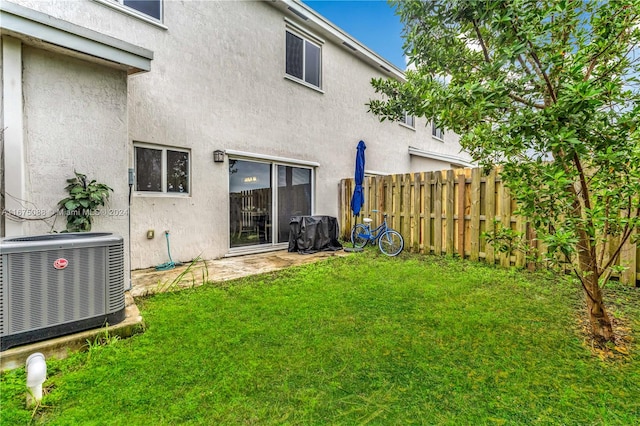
(362, 339)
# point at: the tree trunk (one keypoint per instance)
(601, 326)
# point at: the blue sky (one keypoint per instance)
(371, 22)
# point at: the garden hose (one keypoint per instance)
(170, 264)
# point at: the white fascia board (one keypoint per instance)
(368, 172)
(293, 161)
(20, 21)
(328, 29)
(440, 157)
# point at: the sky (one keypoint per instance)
(371, 22)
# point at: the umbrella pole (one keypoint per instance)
(353, 247)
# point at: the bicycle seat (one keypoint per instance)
(367, 220)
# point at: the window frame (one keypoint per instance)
(306, 38)
(437, 132)
(128, 10)
(404, 121)
(163, 172)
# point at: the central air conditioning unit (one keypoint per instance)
(57, 284)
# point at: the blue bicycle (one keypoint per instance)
(389, 241)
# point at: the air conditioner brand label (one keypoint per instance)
(60, 263)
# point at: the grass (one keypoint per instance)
(363, 339)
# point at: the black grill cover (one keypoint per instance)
(311, 234)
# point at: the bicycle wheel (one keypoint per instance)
(359, 235)
(391, 243)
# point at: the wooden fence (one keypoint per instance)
(447, 212)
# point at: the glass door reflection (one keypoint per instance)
(294, 197)
(250, 199)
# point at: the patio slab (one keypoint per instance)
(149, 281)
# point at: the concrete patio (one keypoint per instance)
(149, 281)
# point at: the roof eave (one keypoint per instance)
(34, 27)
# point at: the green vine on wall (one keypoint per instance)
(83, 201)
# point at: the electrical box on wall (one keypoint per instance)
(132, 176)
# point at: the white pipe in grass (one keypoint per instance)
(36, 368)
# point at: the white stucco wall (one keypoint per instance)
(75, 118)
(2, 203)
(218, 82)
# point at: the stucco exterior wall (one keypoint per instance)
(218, 82)
(2, 204)
(75, 118)
(419, 164)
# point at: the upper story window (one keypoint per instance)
(437, 132)
(409, 120)
(303, 59)
(160, 169)
(151, 8)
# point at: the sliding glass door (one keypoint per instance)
(250, 199)
(293, 197)
(257, 189)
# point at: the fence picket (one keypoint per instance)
(388, 196)
(505, 219)
(490, 215)
(449, 212)
(405, 223)
(521, 228)
(629, 259)
(380, 191)
(428, 210)
(437, 210)
(474, 225)
(416, 211)
(461, 210)
(394, 210)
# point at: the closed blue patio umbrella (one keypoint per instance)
(357, 199)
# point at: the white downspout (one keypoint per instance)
(36, 374)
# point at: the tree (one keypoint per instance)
(548, 90)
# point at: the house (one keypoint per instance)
(233, 116)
